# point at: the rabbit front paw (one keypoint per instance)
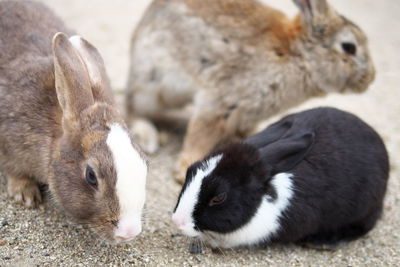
(146, 135)
(184, 161)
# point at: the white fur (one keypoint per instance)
(184, 212)
(265, 222)
(131, 179)
(76, 41)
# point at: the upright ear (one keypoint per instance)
(316, 14)
(286, 153)
(71, 79)
(271, 134)
(94, 63)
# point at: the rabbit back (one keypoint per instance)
(348, 167)
(27, 27)
(29, 109)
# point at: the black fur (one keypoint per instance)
(244, 185)
(340, 169)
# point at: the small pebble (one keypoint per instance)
(2, 242)
(176, 235)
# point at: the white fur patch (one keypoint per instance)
(345, 36)
(76, 41)
(93, 70)
(131, 176)
(188, 201)
(265, 222)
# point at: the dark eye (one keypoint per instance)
(349, 48)
(91, 176)
(217, 200)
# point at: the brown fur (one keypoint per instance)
(247, 20)
(56, 109)
(237, 62)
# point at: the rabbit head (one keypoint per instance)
(98, 173)
(335, 49)
(222, 199)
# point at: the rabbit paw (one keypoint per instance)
(179, 177)
(25, 191)
(180, 171)
(146, 135)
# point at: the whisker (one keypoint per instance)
(221, 251)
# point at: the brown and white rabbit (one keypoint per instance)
(59, 125)
(238, 62)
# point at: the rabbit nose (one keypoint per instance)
(127, 229)
(179, 221)
(126, 233)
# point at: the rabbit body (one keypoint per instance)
(59, 125)
(30, 115)
(317, 177)
(225, 65)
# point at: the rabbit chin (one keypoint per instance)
(189, 230)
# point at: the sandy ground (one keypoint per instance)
(48, 238)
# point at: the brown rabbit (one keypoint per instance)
(59, 125)
(238, 62)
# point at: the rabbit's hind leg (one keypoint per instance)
(24, 190)
(332, 240)
(322, 241)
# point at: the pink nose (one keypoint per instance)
(179, 221)
(126, 232)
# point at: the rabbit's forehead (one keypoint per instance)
(189, 198)
(131, 170)
(91, 139)
(356, 31)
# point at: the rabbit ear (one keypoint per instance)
(72, 79)
(315, 13)
(285, 154)
(99, 81)
(270, 134)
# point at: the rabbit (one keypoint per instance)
(59, 125)
(316, 178)
(221, 66)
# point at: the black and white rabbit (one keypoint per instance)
(317, 177)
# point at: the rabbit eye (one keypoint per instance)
(217, 200)
(349, 48)
(91, 176)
